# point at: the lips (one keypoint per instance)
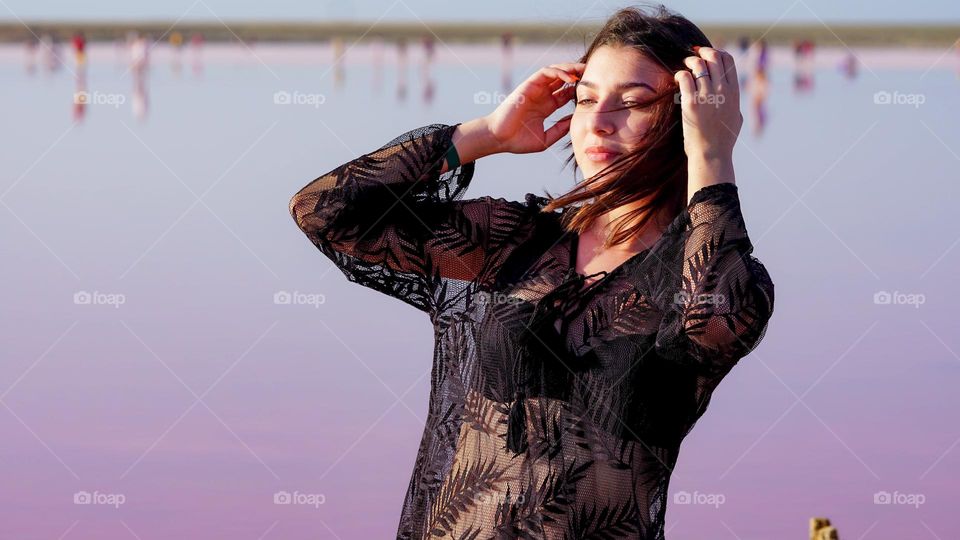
(601, 153)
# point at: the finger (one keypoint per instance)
(557, 131)
(730, 70)
(564, 94)
(699, 67)
(714, 64)
(575, 68)
(686, 83)
(556, 84)
(547, 76)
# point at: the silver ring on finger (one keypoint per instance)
(701, 74)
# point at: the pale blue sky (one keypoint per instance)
(530, 10)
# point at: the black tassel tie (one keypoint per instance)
(537, 339)
(517, 425)
(517, 419)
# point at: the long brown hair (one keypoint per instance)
(655, 169)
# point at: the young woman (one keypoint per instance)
(578, 338)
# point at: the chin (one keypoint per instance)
(587, 169)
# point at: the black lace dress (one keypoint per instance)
(557, 404)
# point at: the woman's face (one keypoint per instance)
(615, 77)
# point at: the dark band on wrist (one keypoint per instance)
(453, 158)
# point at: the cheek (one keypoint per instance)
(576, 132)
(637, 125)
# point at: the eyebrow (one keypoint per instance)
(621, 86)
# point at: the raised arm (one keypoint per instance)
(721, 311)
(395, 219)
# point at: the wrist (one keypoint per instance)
(715, 166)
(703, 171)
(474, 140)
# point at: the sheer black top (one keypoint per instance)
(557, 405)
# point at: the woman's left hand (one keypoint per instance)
(710, 107)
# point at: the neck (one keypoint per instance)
(604, 225)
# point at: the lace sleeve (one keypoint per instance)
(725, 299)
(391, 221)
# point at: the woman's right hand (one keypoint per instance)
(517, 123)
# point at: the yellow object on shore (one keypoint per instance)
(820, 529)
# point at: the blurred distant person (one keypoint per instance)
(757, 56)
(401, 69)
(763, 57)
(196, 48)
(139, 66)
(849, 65)
(339, 50)
(376, 52)
(426, 72)
(50, 49)
(429, 47)
(743, 52)
(138, 101)
(80, 95)
(759, 88)
(79, 48)
(176, 47)
(139, 54)
(803, 66)
(506, 61)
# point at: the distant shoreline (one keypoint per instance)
(943, 35)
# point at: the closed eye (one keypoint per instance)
(629, 103)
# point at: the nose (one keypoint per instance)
(601, 122)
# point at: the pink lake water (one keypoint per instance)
(152, 387)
